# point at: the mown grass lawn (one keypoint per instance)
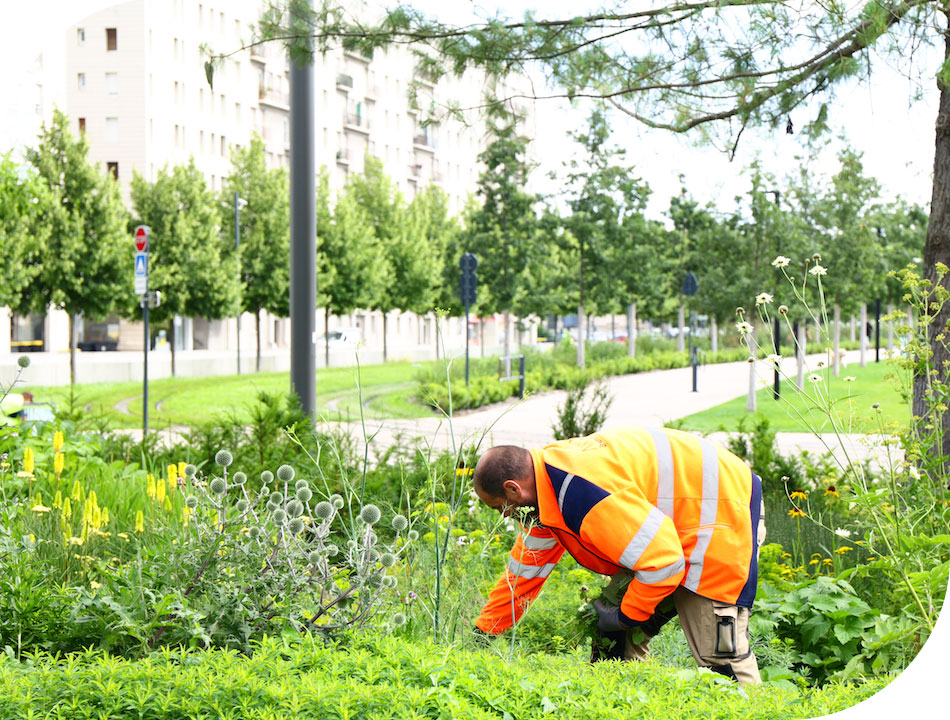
(386, 392)
(822, 406)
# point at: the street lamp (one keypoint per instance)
(776, 390)
(239, 203)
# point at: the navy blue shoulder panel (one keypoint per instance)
(747, 596)
(581, 495)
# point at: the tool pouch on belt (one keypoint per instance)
(730, 633)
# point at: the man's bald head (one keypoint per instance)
(501, 463)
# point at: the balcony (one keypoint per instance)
(344, 82)
(424, 142)
(358, 56)
(343, 157)
(415, 173)
(274, 98)
(357, 123)
(258, 53)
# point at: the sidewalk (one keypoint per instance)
(650, 398)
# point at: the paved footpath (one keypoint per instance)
(650, 398)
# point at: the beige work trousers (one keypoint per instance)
(717, 633)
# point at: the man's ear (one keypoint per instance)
(514, 493)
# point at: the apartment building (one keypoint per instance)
(136, 86)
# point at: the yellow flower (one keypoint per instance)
(826, 561)
(160, 492)
(67, 510)
(32, 538)
(168, 504)
(57, 441)
(185, 515)
(844, 549)
(40, 509)
(4, 465)
(24, 474)
(814, 562)
(181, 468)
(795, 513)
(58, 461)
(93, 585)
(105, 516)
(76, 493)
(150, 486)
(58, 499)
(124, 536)
(816, 555)
(799, 495)
(75, 541)
(139, 522)
(831, 491)
(786, 555)
(28, 460)
(172, 478)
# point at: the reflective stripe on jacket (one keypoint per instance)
(667, 506)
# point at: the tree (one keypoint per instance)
(502, 231)
(719, 66)
(26, 204)
(194, 268)
(87, 258)
(355, 270)
(265, 232)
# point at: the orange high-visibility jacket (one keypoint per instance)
(667, 506)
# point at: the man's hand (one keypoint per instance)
(482, 638)
(608, 618)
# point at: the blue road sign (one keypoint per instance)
(141, 264)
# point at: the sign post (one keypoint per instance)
(468, 284)
(690, 286)
(141, 289)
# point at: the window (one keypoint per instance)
(113, 168)
(112, 83)
(81, 81)
(201, 98)
(201, 141)
(81, 36)
(112, 129)
(237, 113)
(176, 92)
(177, 136)
(112, 41)
(224, 145)
(82, 125)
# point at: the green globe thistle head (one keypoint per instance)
(370, 514)
(254, 533)
(241, 506)
(301, 483)
(323, 510)
(387, 560)
(267, 477)
(271, 506)
(399, 619)
(285, 473)
(239, 478)
(23, 361)
(304, 494)
(191, 502)
(400, 523)
(337, 501)
(276, 497)
(314, 556)
(263, 491)
(295, 508)
(219, 486)
(390, 581)
(280, 517)
(295, 526)
(351, 544)
(413, 535)
(374, 581)
(223, 458)
(190, 471)
(332, 550)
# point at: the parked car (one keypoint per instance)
(342, 338)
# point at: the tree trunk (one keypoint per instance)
(937, 249)
(681, 324)
(632, 330)
(801, 349)
(613, 327)
(326, 336)
(863, 333)
(172, 345)
(851, 321)
(713, 334)
(385, 328)
(507, 343)
(890, 329)
(836, 341)
(750, 403)
(72, 349)
(581, 339)
(257, 332)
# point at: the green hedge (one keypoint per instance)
(388, 678)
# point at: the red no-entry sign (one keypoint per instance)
(141, 238)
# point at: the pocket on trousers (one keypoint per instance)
(725, 643)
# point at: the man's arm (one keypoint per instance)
(532, 558)
(642, 539)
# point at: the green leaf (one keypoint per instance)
(547, 706)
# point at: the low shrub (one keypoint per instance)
(379, 677)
